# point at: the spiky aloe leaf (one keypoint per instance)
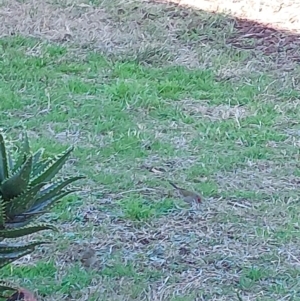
(37, 210)
(24, 219)
(21, 159)
(6, 290)
(18, 182)
(12, 252)
(23, 202)
(6, 284)
(20, 221)
(3, 160)
(10, 162)
(52, 190)
(53, 168)
(37, 156)
(19, 232)
(13, 248)
(40, 166)
(38, 163)
(26, 145)
(4, 287)
(23, 153)
(47, 204)
(2, 213)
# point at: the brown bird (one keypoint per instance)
(188, 196)
(88, 257)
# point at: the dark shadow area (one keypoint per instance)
(281, 45)
(272, 42)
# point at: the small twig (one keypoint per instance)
(136, 190)
(119, 193)
(293, 257)
(238, 296)
(239, 205)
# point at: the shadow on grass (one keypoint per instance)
(281, 45)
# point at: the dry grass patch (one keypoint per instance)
(277, 13)
(213, 113)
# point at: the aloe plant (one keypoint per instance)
(27, 190)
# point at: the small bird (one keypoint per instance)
(88, 257)
(188, 196)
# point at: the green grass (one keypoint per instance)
(134, 127)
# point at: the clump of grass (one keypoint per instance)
(139, 209)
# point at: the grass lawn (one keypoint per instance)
(187, 108)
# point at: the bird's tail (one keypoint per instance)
(176, 187)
